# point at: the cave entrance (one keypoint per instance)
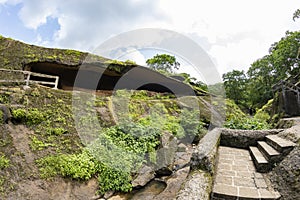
(132, 78)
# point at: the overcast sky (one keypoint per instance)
(233, 32)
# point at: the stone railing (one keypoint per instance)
(20, 76)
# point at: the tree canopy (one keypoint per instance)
(163, 62)
(254, 88)
(296, 14)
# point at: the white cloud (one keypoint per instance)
(10, 2)
(130, 54)
(233, 32)
(34, 13)
(238, 32)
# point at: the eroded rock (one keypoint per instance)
(5, 114)
(166, 155)
(197, 187)
(205, 152)
(174, 184)
(286, 175)
(144, 176)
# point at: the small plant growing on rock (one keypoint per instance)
(4, 162)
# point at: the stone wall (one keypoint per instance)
(244, 138)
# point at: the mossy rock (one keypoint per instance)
(5, 114)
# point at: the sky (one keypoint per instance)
(233, 33)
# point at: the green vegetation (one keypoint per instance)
(31, 116)
(163, 62)
(1, 117)
(247, 123)
(77, 166)
(237, 119)
(253, 89)
(132, 136)
(4, 162)
(133, 141)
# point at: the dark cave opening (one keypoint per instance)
(99, 77)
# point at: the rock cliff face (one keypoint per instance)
(286, 176)
(99, 73)
(110, 76)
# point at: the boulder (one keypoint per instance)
(166, 154)
(182, 158)
(174, 184)
(144, 176)
(5, 114)
(205, 152)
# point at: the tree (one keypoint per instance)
(163, 62)
(261, 77)
(296, 14)
(235, 86)
(281, 63)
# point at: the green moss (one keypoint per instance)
(4, 162)
(31, 116)
(38, 145)
(1, 117)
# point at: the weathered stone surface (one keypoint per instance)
(174, 183)
(55, 189)
(244, 138)
(286, 176)
(205, 152)
(181, 148)
(197, 187)
(148, 192)
(105, 115)
(145, 174)
(293, 132)
(166, 155)
(6, 115)
(239, 179)
(108, 194)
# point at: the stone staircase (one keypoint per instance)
(269, 152)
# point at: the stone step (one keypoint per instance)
(268, 151)
(227, 192)
(282, 145)
(236, 177)
(260, 162)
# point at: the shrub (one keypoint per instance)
(113, 179)
(77, 166)
(19, 114)
(246, 123)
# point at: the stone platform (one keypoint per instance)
(236, 177)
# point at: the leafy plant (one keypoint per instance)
(246, 123)
(77, 166)
(113, 179)
(39, 145)
(30, 117)
(56, 131)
